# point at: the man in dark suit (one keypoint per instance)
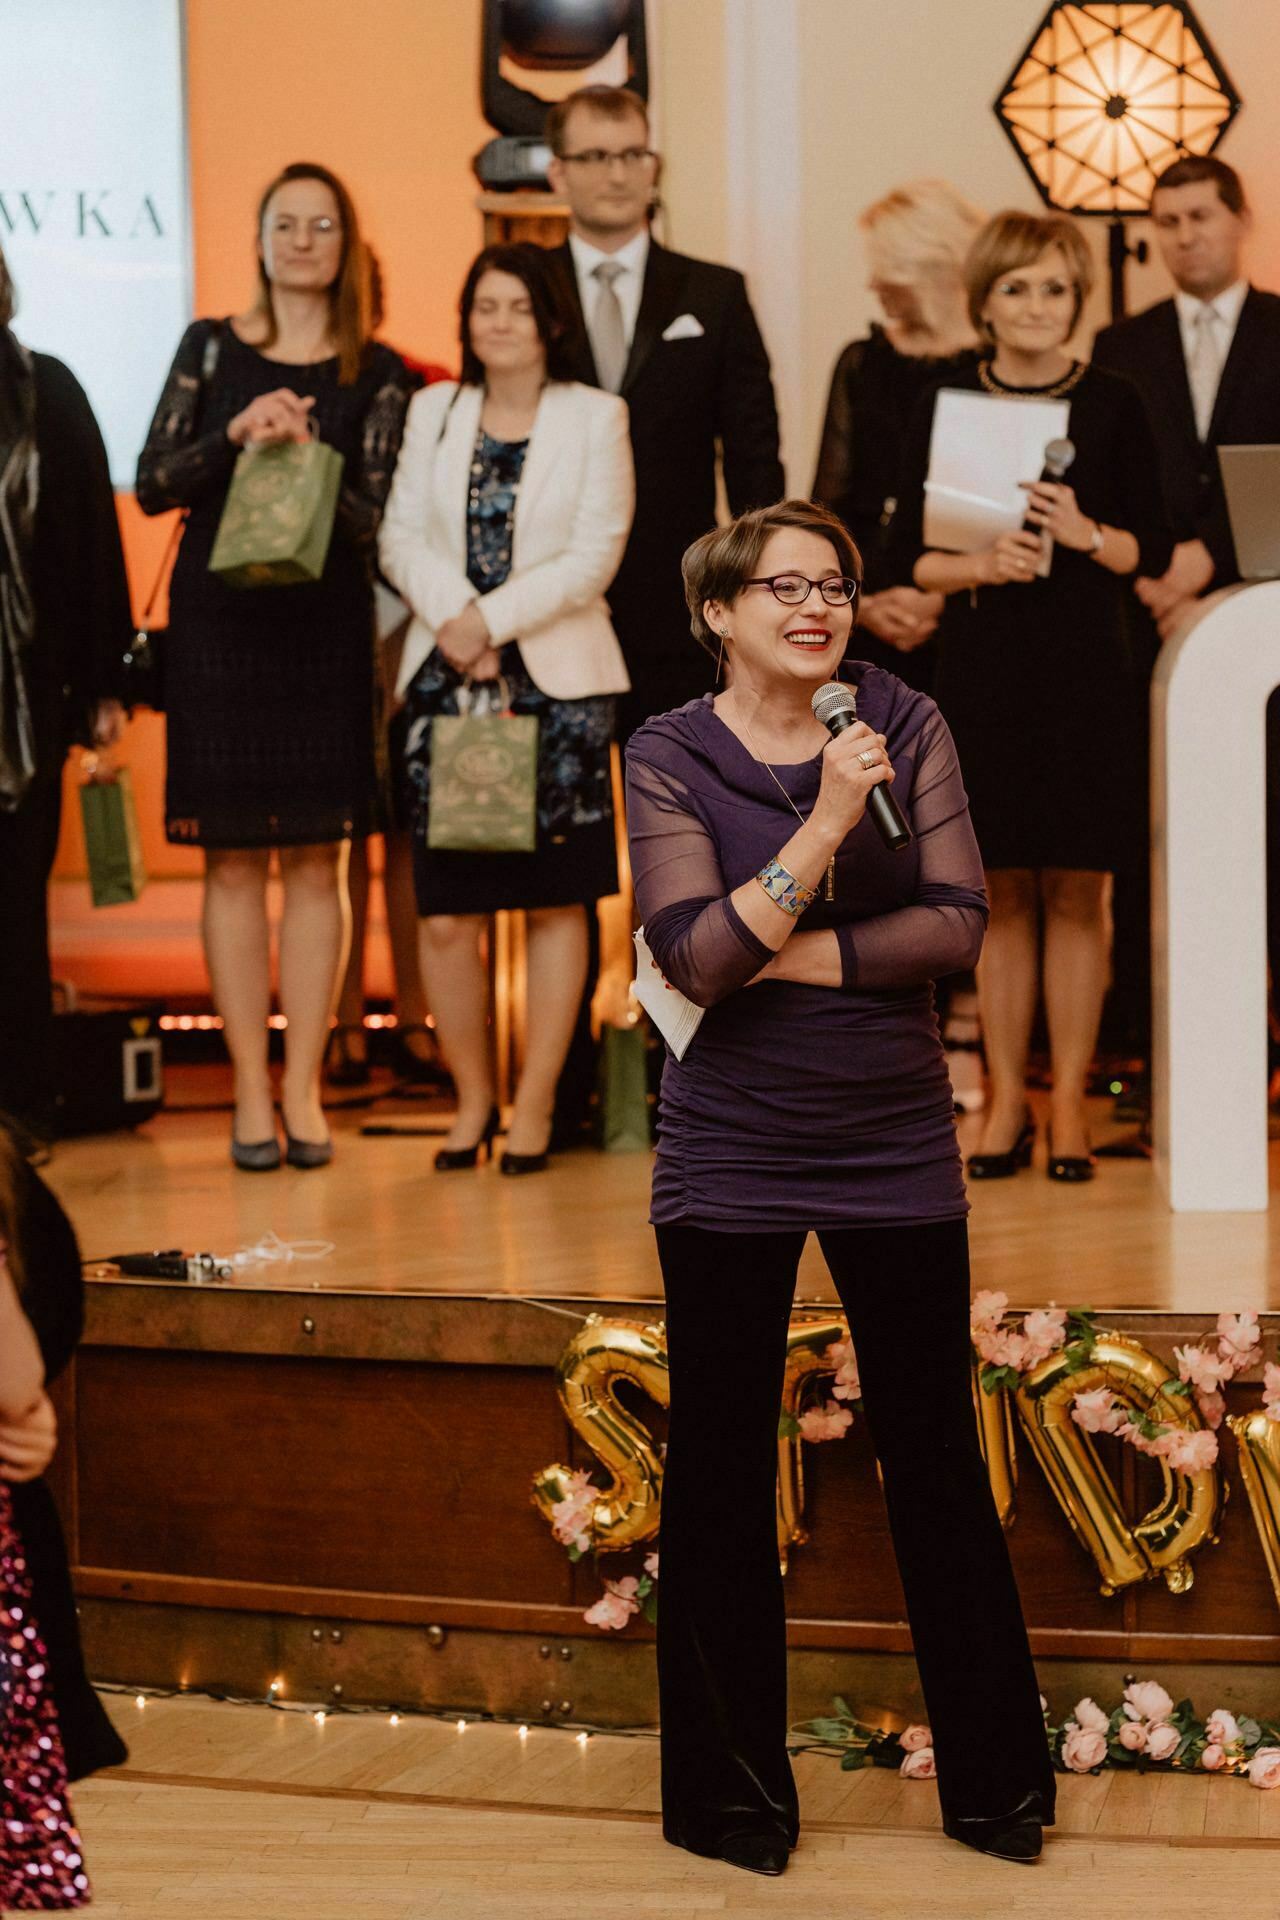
(1207, 363)
(678, 339)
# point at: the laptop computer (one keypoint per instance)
(1251, 478)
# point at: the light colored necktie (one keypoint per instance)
(1204, 368)
(608, 329)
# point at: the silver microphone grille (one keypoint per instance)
(1058, 456)
(833, 698)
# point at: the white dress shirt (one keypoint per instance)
(629, 284)
(1225, 310)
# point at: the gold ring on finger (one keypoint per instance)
(867, 760)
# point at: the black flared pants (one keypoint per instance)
(721, 1626)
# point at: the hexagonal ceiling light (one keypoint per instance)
(1104, 97)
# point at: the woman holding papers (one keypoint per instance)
(813, 1097)
(1032, 672)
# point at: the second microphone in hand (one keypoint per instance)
(836, 705)
(1058, 455)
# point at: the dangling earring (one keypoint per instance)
(720, 656)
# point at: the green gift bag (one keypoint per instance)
(623, 1122)
(484, 783)
(111, 838)
(278, 516)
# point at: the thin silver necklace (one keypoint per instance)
(829, 891)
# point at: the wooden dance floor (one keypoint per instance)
(244, 1813)
(579, 1232)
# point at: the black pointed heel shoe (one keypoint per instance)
(1017, 1836)
(756, 1852)
(515, 1164)
(458, 1159)
(1072, 1168)
(1000, 1166)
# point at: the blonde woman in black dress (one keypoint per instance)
(270, 690)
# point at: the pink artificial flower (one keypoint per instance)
(1046, 1331)
(1222, 1728)
(571, 1517)
(651, 1565)
(915, 1738)
(1271, 1391)
(1088, 1714)
(1129, 1431)
(1201, 1369)
(1132, 1736)
(1239, 1339)
(1002, 1347)
(842, 1357)
(1213, 1757)
(1083, 1748)
(919, 1765)
(825, 1423)
(1147, 1700)
(1190, 1452)
(1264, 1769)
(1212, 1408)
(616, 1604)
(1162, 1741)
(987, 1309)
(1097, 1412)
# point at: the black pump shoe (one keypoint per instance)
(1000, 1166)
(756, 1852)
(1073, 1168)
(344, 1067)
(518, 1163)
(459, 1159)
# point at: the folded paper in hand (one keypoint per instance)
(983, 446)
(675, 1016)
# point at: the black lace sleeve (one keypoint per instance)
(178, 464)
(364, 495)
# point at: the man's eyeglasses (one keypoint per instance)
(793, 589)
(596, 159)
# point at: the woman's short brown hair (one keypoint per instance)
(717, 566)
(8, 298)
(1012, 240)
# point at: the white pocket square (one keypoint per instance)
(686, 327)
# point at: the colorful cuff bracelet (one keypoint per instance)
(784, 889)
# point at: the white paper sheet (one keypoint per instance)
(672, 1012)
(982, 446)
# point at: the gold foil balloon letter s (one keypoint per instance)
(603, 1352)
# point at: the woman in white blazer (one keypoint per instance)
(507, 518)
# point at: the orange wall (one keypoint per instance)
(385, 92)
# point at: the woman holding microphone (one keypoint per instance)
(814, 1097)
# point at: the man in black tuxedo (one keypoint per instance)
(678, 339)
(1207, 363)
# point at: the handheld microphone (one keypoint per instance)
(836, 705)
(1058, 455)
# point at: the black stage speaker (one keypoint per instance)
(108, 1066)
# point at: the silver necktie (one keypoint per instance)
(1204, 368)
(607, 329)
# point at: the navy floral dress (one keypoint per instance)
(574, 861)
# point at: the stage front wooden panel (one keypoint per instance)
(334, 1490)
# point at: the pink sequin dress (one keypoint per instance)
(41, 1865)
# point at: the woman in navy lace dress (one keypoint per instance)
(270, 690)
(814, 1098)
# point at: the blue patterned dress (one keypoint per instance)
(574, 861)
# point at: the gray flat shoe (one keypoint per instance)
(255, 1156)
(308, 1153)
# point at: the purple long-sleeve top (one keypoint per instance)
(803, 1106)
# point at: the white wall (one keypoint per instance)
(887, 91)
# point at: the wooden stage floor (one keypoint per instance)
(579, 1232)
(242, 1813)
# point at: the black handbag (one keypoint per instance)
(143, 663)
